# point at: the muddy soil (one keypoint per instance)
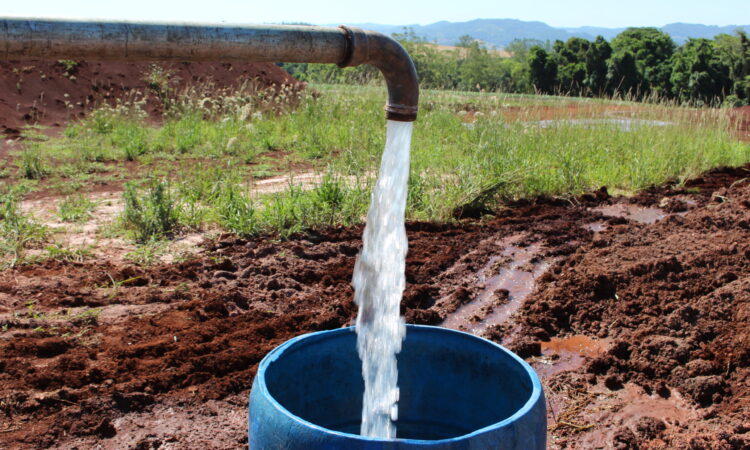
(50, 93)
(672, 302)
(637, 322)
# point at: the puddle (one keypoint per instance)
(596, 227)
(636, 213)
(569, 353)
(517, 276)
(640, 214)
(627, 407)
(583, 345)
(626, 125)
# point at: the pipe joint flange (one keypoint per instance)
(357, 47)
(400, 113)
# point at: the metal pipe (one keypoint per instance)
(23, 38)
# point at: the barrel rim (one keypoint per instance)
(276, 353)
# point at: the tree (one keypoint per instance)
(542, 70)
(478, 69)
(652, 51)
(570, 57)
(742, 81)
(513, 76)
(699, 74)
(519, 48)
(465, 41)
(597, 56)
(436, 69)
(622, 75)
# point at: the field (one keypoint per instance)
(151, 256)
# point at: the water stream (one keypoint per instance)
(379, 282)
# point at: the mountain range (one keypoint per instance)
(500, 32)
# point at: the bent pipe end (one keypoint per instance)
(64, 39)
(385, 53)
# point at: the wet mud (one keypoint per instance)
(639, 328)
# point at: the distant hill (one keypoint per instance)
(593, 32)
(680, 32)
(500, 32)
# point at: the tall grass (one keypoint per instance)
(470, 151)
(31, 163)
(216, 196)
(150, 212)
(17, 230)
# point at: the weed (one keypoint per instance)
(59, 253)
(52, 321)
(282, 212)
(73, 131)
(150, 213)
(17, 231)
(330, 194)
(131, 138)
(30, 312)
(102, 121)
(148, 253)
(68, 64)
(91, 149)
(159, 81)
(31, 163)
(34, 133)
(236, 211)
(75, 208)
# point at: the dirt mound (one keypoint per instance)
(52, 93)
(673, 301)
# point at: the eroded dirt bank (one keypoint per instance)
(53, 93)
(635, 312)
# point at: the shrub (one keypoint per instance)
(150, 213)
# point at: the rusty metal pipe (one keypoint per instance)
(22, 38)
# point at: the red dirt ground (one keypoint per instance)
(47, 93)
(663, 310)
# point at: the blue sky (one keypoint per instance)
(560, 13)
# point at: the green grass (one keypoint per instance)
(208, 152)
(75, 208)
(217, 196)
(58, 252)
(18, 231)
(31, 163)
(151, 213)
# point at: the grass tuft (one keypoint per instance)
(17, 230)
(32, 164)
(75, 208)
(150, 213)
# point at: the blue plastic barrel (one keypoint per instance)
(458, 391)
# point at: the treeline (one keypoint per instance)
(639, 63)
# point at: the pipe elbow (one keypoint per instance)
(385, 53)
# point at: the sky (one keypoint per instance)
(558, 13)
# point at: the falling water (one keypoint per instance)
(379, 283)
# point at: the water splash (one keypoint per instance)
(379, 282)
